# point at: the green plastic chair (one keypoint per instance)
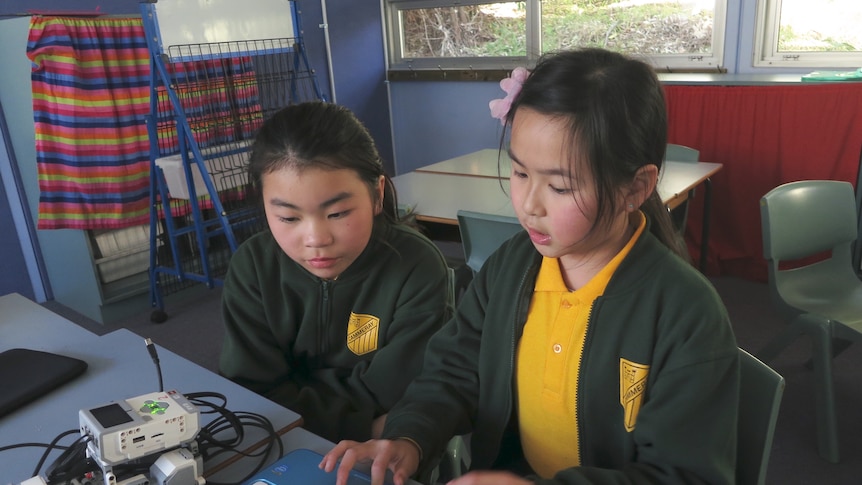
(455, 460)
(482, 234)
(682, 153)
(760, 393)
(802, 222)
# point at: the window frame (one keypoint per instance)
(713, 62)
(766, 53)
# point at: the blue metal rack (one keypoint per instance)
(207, 101)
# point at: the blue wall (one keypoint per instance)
(69, 269)
(434, 121)
(12, 262)
(359, 67)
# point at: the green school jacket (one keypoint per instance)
(657, 311)
(340, 353)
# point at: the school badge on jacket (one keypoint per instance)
(633, 379)
(362, 333)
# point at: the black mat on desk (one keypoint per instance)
(27, 374)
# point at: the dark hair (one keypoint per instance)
(615, 109)
(320, 135)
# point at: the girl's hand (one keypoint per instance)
(490, 478)
(400, 456)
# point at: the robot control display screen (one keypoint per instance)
(111, 415)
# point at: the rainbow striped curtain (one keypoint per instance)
(91, 86)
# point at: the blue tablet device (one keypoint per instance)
(300, 467)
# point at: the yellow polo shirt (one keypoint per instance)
(548, 361)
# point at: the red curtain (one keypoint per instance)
(765, 136)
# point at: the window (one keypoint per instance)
(486, 34)
(802, 33)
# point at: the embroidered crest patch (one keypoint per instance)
(633, 379)
(362, 333)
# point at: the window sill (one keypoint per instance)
(716, 79)
(426, 75)
(668, 78)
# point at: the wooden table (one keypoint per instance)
(478, 182)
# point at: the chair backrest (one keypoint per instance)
(760, 393)
(681, 153)
(804, 219)
(807, 217)
(482, 234)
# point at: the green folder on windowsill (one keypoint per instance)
(822, 76)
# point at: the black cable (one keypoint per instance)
(73, 463)
(31, 445)
(151, 348)
(227, 421)
(51, 447)
(211, 442)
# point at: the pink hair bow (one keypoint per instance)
(512, 85)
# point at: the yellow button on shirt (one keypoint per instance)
(548, 361)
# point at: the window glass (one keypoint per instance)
(802, 33)
(823, 26)
(484, 30)
(639, 27)
(671, 34)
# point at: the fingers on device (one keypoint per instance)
(122, 431)
(301, 466)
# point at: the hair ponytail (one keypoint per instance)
(661, 225)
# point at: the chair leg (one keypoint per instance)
(827, 422)
(704, 235)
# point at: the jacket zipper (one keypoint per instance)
(324, 319)
(516, 330)
(517, 317)
(578, 402)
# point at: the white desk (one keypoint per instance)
(472, 182)
(437, 197)
(119, 368)
(674, 184)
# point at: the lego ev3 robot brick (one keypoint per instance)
(121, 431)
